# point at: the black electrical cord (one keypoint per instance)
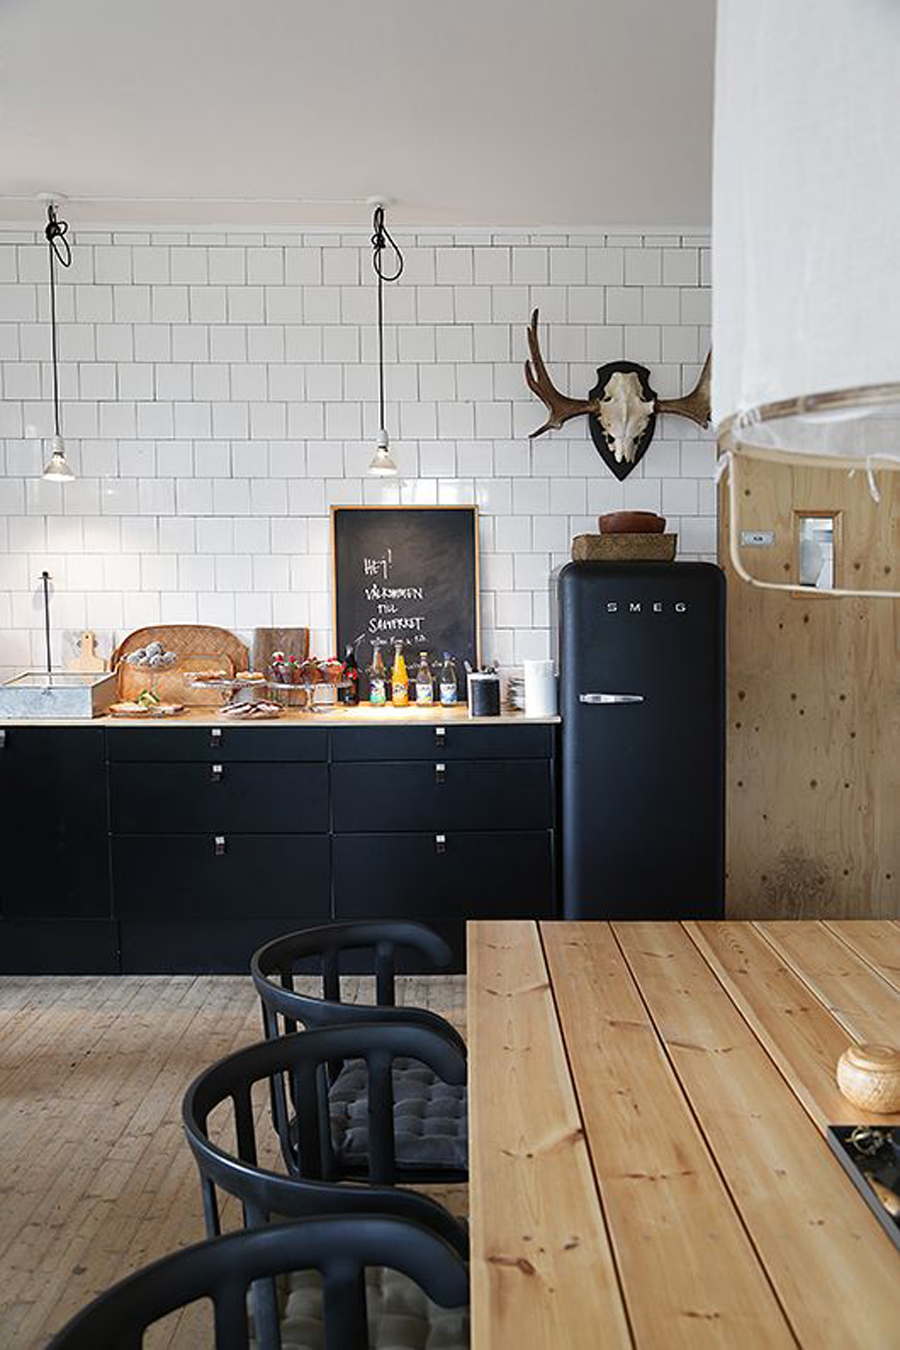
(380, 238)
(59, 251)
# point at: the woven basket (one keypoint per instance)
(624, 548)
(197, 647)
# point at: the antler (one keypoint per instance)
(694, 405)
(560, 406)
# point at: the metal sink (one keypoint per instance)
(57, 693)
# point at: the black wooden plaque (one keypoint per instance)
(407, 573)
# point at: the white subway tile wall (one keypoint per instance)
(219, 395)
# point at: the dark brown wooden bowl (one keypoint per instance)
(631, 522)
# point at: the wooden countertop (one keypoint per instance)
(363, 715)
(648, 1163)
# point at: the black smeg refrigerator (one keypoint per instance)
(642, 697)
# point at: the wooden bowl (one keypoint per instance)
(869, 1077)
(631, 522)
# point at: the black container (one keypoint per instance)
(484, 695)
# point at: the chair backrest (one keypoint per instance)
(224, 1268)
(295, 1067)
(319, 951)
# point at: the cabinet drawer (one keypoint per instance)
(404, 876)
(219, 797)
(443, 741)
(264, 744)
(442, 795)
(182, 876)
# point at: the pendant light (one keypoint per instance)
(806, 262)
(383, 464)
(57, 469)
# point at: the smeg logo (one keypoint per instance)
(646, 606)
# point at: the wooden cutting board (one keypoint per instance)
(87, 659)
(291, 641)
(197, 646)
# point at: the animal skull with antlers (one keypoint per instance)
(621, 407)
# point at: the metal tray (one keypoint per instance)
(59, 693)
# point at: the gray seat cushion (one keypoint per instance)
(401, 1317)
(430, 1116)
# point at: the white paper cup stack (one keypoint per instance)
(540, 689)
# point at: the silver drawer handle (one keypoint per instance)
(610, 698)
(440, 735)
(220, 845)
(440, 773)
(216, 773)
(215, 737)
(440, 843)
(2, 738)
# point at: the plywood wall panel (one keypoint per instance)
(814, 707)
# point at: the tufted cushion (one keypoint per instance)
(430, 1116)
(401, 1317)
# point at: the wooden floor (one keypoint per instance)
(95, 1176)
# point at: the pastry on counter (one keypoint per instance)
(251, 712)
(138, 708)
(206, 676)
(250, 676)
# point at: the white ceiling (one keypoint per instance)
(570, 113)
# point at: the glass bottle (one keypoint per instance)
(350, 695)
(377, 677)
(399, 679)
(449, 688)
(424, 683)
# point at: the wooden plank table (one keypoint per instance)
(648, 1165)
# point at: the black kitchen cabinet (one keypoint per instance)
(55, 904)
(444, 824)
(182, 848)
(53, 823)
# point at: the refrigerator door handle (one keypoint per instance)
(610, 698)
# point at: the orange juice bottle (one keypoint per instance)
(399, 679)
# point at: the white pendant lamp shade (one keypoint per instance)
(806, 243)
(806, 228)
(57, 468)
(382, 465)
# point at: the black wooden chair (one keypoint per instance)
(431, 1110)
(338, 1250)
(267, 1195)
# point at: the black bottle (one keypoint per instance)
(350, 695)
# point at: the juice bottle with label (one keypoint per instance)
(449, 688)
(424, 683)
(377, 677)
(399, 679)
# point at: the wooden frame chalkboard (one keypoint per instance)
(407, 572)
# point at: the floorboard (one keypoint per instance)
(95, 1177)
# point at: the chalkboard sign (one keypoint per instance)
(406, 573)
